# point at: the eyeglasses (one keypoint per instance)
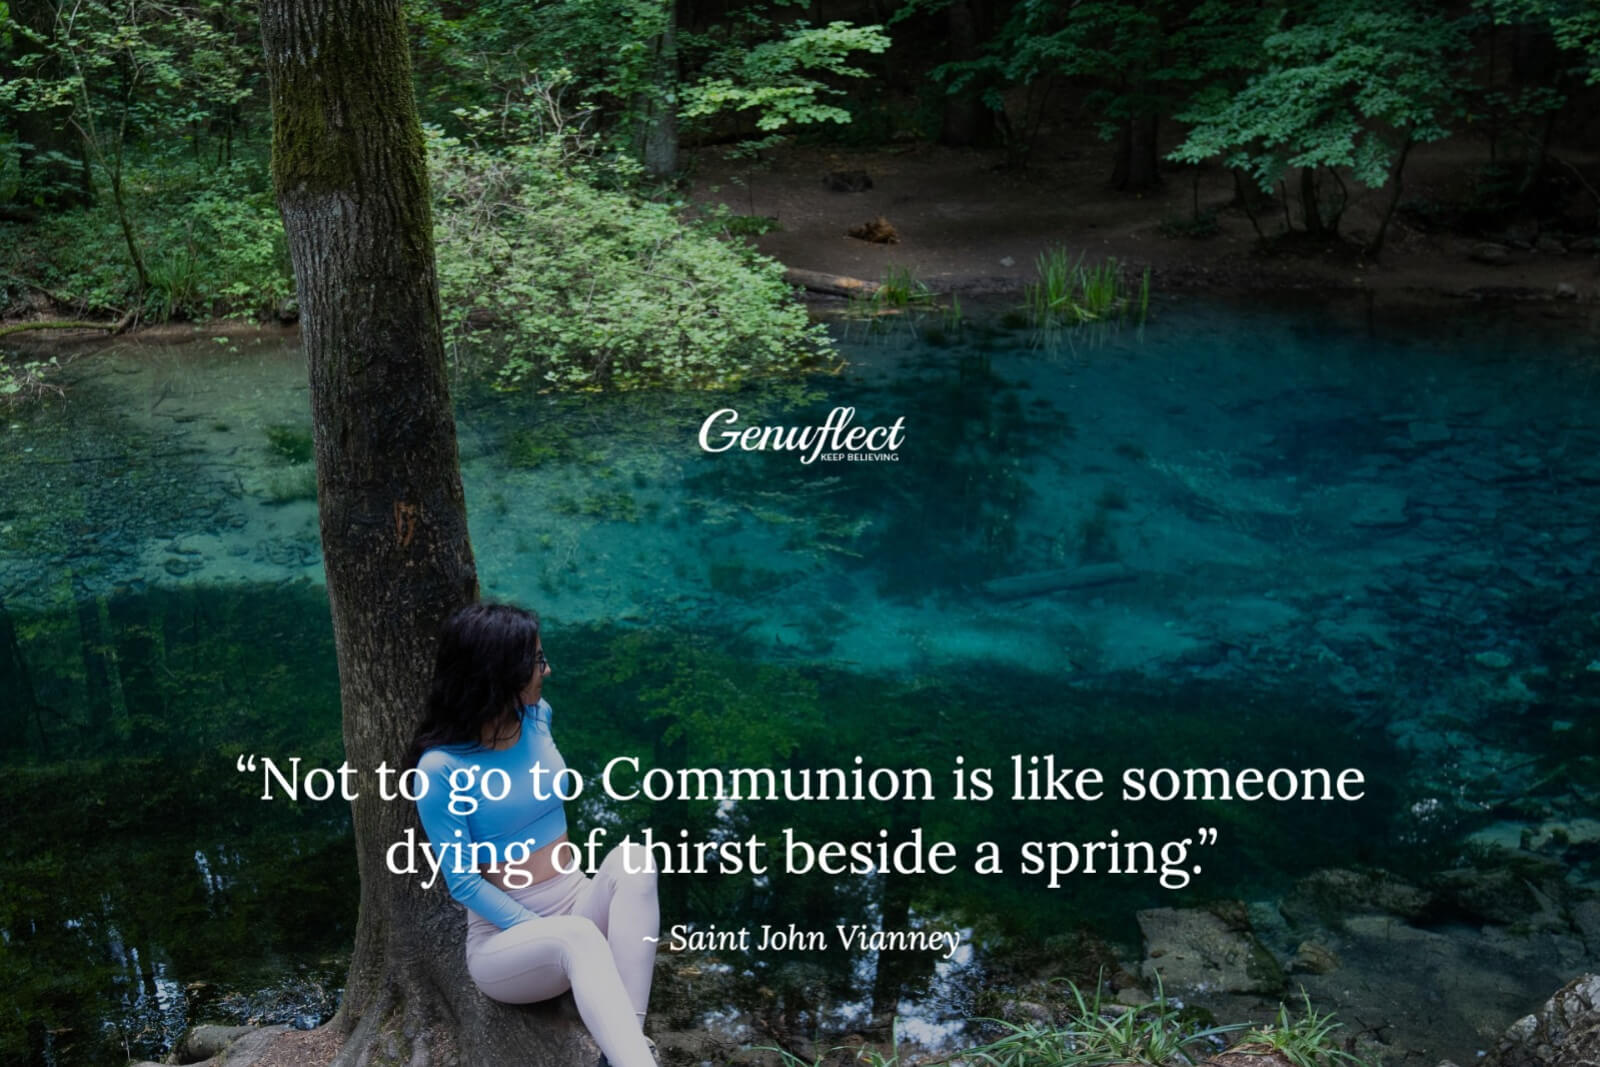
(540, 663)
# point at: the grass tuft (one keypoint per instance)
(1071, 292)
(1306, 1041)
(1098, 1034)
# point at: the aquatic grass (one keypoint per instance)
(1306, 1041)
(900, 292)
(290, 444)
(901, 289)
(296, 483)
(952, 316)
(1073, 292)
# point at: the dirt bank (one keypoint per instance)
(966, 224)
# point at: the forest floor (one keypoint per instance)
(966, 223)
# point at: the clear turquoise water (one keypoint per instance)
(1343, 541)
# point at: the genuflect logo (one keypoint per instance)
(835, 439)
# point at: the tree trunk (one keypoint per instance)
(656, 137)
(352, 186)
(967, 122)
(1241, 195)
(1310, 209)
(1137, 165)
(1376, 245)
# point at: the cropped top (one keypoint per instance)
(456, 809)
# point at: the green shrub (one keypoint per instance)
(565, 282)
(211, 238)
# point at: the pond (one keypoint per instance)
(1239, 539)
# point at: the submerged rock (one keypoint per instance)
(1327, 896)
(1313, 957)
(1428, 433)
(1197, 951)
(1378, 506)
(1501, 895)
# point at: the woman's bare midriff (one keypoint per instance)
(539, 867)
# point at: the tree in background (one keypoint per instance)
(51, 172)
(648, 68)
(1346, 89)
(114, 76)
(1554, 53)
(1135, 63)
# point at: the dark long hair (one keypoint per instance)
(485, 659)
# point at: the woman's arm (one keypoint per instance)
(449, 831)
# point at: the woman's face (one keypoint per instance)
(541, 669)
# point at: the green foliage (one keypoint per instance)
(142, 66)
(749, 225)
(779, 80)
(23, 380)
(1574, 26)
(1134, 59)
(617, 57)
(589, 287)
(1346, 86)
(112, 73)
(214, 244)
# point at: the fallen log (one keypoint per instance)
(68, 324)
(815, 281)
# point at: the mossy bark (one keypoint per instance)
(656, 137)
(351, 180)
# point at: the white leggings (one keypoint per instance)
(595, 936)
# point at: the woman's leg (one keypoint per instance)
(542, 958)
(623, 905)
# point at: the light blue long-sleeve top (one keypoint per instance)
(471, 817)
